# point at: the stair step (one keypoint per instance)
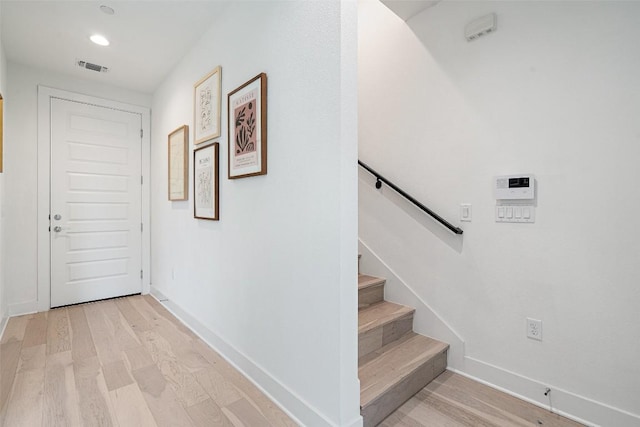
(382, 323)
(392, 374)
(370, 290)
(365, 281)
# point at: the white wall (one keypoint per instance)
(21, 171)
(274, 280)
(3, 88)
(554, 92)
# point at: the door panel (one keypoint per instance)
(96, 209)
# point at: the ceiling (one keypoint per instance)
(147, 37)
(407, 9)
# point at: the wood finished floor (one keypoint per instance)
(122, 362)
(129, 362)
(452, 400)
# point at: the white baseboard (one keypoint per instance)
(22, 308)
(14, 310)
(299, 410)
(3, 325)
(565, 403)
(358, 422)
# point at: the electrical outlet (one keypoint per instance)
(534, 329)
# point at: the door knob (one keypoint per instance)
(57, 229)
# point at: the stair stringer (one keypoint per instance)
(426, 321)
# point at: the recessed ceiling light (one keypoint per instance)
(100, 40)
(108, 10)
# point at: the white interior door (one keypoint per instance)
(96, 202)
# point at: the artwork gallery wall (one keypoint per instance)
(271, 279)
(268, 281)
(553, 92)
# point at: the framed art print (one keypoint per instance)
(207, 100)
(178, 163)
(205, 182)
(247, 111)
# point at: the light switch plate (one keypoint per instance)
(515, 213)
(465, 212)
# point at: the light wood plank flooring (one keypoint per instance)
(129, 362)
(121, 362)
(452, 400)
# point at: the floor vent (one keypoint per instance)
(92, 67)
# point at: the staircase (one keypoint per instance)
(394, 362)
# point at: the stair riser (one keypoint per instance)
(370, 295)
(376, 411)
(375, 339)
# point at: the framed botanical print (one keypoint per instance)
(247, 111)
(206, 183)
(178, 147)
(207, 100)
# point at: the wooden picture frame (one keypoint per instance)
(178, 164)
(207, 102)
(247, 120)
(206, 182)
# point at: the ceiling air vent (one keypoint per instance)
(92, 67)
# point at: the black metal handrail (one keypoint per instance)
(380, 179)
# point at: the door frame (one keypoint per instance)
(45, 94)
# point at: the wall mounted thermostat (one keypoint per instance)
(515, 198)
(515, 187)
